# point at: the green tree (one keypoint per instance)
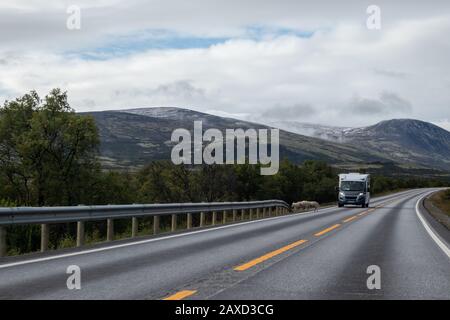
(152, 183)
(46, 150)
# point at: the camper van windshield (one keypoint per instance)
(352, 186)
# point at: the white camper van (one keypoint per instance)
(354, 188)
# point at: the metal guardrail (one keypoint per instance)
(81, 214)
(31, 215)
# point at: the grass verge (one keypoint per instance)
(442, 201)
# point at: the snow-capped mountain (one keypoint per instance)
(312, 130)
(137, 136)
(401, 140)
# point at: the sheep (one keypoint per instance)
(315, 205)
(297, 205)
(303, 205)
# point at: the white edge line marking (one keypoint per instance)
(184, 234)
(430, 231)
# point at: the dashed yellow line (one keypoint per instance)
(269, 255)
(186, 293)
(181, 295)
(318, 234)
(350, 219)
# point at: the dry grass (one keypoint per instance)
(442, 201)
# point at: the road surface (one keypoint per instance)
(322, 255)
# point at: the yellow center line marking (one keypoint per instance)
(318, 234)
(269, 255)
(181, 295)
(350, 219)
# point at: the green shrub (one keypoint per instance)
(13, 252)
(7, 203)
(66, 242)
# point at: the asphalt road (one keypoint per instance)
(322, 255)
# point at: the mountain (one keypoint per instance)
(331, 133)
(134, 137)
(407, 141)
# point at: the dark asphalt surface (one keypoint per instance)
(329, 266)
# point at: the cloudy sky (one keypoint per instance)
(310, 61)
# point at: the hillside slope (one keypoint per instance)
(413, 143)
(132, 138)
(405, 141)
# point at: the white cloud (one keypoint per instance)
(405, 65)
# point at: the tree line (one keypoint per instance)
(48, 157)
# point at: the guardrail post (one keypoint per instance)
(109, 230)
(134, 227)
(250, 214)
(264, 212)
(80, 233)
(44, 237)
(242, 214)
(214, 218)
(224, 218)
(189, 221)
(155, 224)
(174, 222)
(202, 219)
(2, 241)
(234, 215)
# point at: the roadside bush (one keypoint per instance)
(67, 242)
